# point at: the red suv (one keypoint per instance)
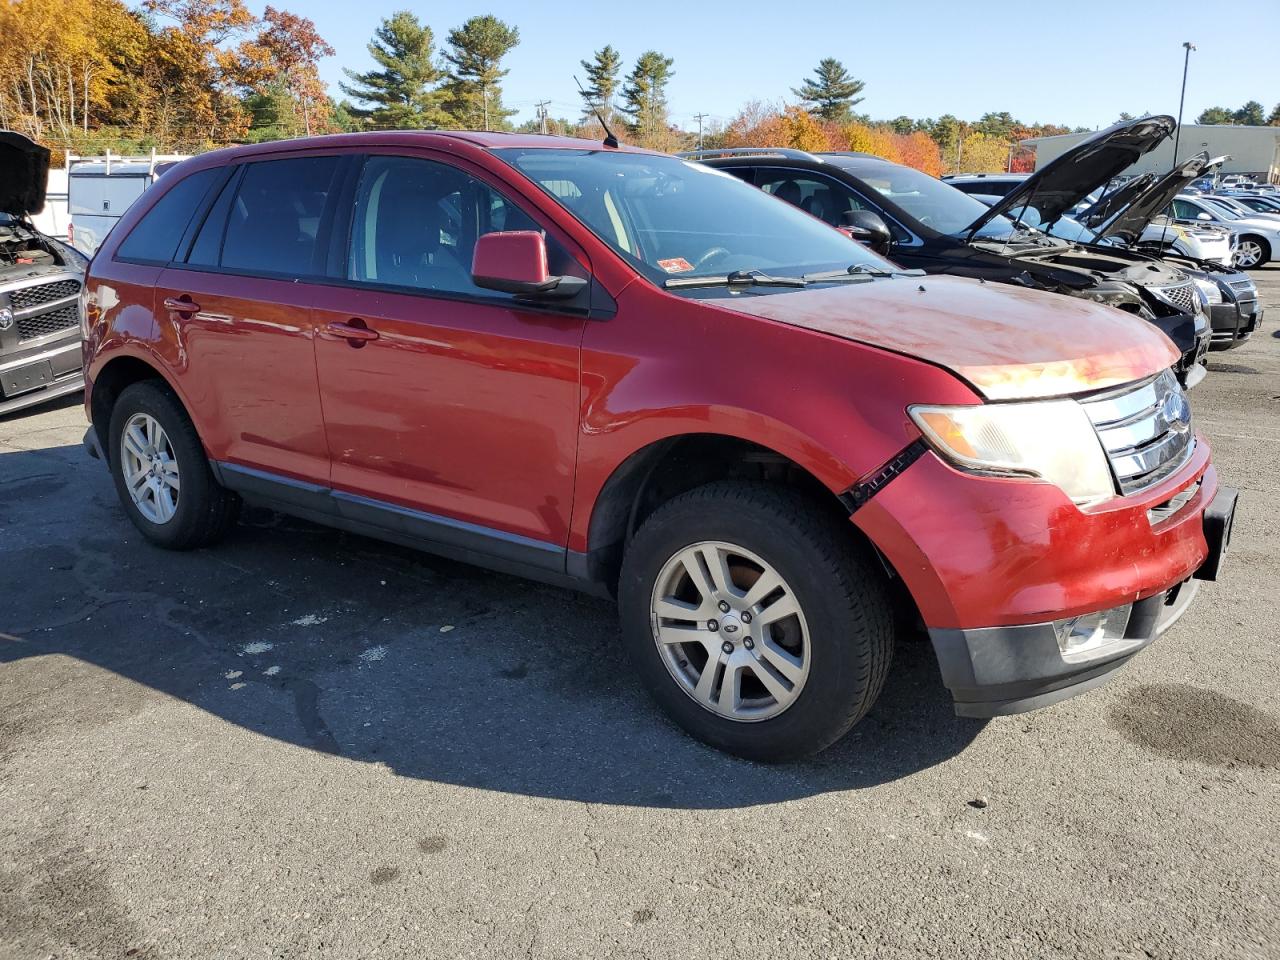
(621, 371)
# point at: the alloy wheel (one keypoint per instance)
(1248, 253)
(730, 631)
(150, 468)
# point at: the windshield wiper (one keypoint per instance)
(756, 278)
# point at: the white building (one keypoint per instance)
(1253, 150)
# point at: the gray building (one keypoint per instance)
(1253, 150)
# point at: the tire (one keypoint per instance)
(1263, 252)
(202, 511)
(842, 636)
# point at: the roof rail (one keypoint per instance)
(788, 152)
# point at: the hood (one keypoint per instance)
(1129, 222)
(1117, 199)
(1008, 342)
(24, 174)
(1062, 183)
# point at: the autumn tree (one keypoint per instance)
(644, 98)
(473, 89)
(832, 93)
(801, 131)
(602, 82)
(404, 91)
(1274, 118)
(280, 71)
(758, 124)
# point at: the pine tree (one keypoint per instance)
(832, 93)
(1216, 115)
(1274, 119)
(644, 96)
(475, 53)
(405, 92)
(602, 82)
(1251, 114)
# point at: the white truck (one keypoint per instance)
(100, 190)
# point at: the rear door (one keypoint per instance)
(237, 314)
(460, 403)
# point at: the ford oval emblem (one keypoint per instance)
(1176, 411)
(6, 318)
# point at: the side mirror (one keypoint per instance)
(1203, 216)
(867, 227)
(515, 261)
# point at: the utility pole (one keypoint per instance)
(1177, 135)
(699, 117)
(542, 115)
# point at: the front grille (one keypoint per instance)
(63, 318)
(1182, 296)
(24, 298)
(1145, 429)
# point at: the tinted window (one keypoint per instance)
(935, 205)
(155, 237)
(274, 220)
(825, 199)
(207, 249)
(416, 222)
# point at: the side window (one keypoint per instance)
(155, 237)
(274, 221)
(415, 224)
(1184, 211)
(206, 251)
(825, 199)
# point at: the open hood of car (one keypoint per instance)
(1128, 223)
(1008, 342)
(1109, 203)
(24, 174)
(1065, 181)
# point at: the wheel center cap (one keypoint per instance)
(732, 627)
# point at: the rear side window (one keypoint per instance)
(155, 237)
(273, 224)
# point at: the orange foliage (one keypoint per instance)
(919, 150)
(803, 132)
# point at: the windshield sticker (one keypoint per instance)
(676, 265)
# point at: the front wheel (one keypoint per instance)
(1252, 252)
(755, 619)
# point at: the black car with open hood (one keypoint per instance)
(921, 222)
(40, 281)
(1231, 296)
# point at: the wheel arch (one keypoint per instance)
(665, 468)
(119, 372)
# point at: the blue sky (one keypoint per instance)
(1079, 63)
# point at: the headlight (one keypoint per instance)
(1211, 292)
(1052, 440)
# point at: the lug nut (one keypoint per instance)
(746, 617)
(749, 643)
(724, 607)
(713, 624)
(727, 647)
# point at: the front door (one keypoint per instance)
(444, 401)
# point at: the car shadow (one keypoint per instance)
(438, 670)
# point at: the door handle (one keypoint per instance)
(353, 331)
(183, 304)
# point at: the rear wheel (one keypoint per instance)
(1252, 252)
(755, 619)
(161, 473)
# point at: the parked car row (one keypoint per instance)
(640, 376)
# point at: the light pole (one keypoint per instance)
(1177, 134)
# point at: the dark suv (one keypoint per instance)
(40, 280)
(921, 222)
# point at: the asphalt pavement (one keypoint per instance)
(303, 743)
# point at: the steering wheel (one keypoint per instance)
(709, 255)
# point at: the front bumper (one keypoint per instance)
(1231, 324)
(39, 375)
(995, 671)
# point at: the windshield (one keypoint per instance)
(672, 218)
(934, 204)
